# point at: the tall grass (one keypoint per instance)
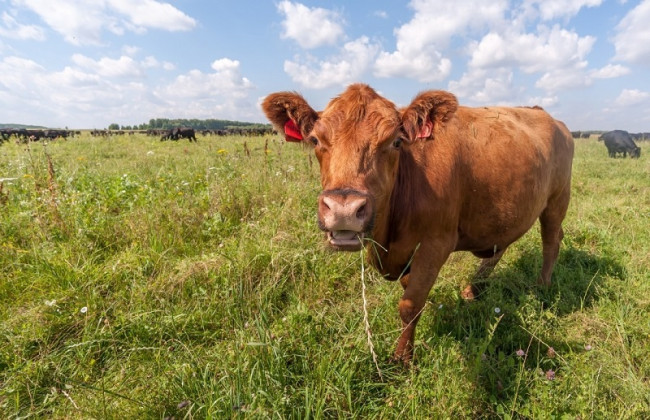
(141, 279)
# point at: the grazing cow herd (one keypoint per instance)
(413, 185)
(23, 135)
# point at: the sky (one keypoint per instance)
(92, 63)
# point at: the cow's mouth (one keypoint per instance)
(345, 240)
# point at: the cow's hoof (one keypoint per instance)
(468, 293)
(473, 291)
(403, 360)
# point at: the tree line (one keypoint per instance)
(167, 123)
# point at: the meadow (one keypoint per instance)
(146, 279)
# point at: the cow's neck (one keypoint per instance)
(391, 217)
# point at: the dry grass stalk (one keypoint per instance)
(365, 316)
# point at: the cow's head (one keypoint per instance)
(357, 140)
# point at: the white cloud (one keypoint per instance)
(633, 32)
(153, 14)
(549, 49)
(108, 67)
(422, 40)
(630, 97)
(564, 78)
(82, 23)
(610, 71)
(543, 101)
(10, 28)
(225, 80)
(92, 93)
(427, 66)
(560, 55)
(553, 9)
(223, 93)
(310, 27)
(130, 50)
(355, 58)
(482, 86)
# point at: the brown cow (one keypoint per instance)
(417, 184)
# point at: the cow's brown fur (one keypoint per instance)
(467, 179)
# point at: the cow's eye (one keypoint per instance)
(397, 142)
(313, 140)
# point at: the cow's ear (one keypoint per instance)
(427, 114)
(290, 114)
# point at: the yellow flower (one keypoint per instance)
(222, 151)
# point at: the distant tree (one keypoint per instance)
(114, 126)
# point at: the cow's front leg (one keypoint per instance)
(411, 305)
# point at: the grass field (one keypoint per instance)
(141, 279)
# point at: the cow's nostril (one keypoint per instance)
(361, 211)
(327, 203)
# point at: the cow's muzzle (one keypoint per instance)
(346, 216)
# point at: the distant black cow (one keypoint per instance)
(168, 135)
(185, 133)
(179, 133)
(620, 141)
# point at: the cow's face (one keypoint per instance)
(357, 140)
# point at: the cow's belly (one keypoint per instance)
(495, 229)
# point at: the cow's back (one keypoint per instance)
(505, 163)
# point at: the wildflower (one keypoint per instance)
(150, 153)
(497, 310)
(440, 306)
(222, 151)
(50, 302)
(588, 347)
(550, 352)
(520, 353)
(84, 310)
(550, 374)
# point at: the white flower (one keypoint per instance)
(150, 153)
(50, 302)
(84, 310)
(497, 310)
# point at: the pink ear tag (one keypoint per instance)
(291, 132)
(425, 130)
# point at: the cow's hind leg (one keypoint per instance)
(552, 234)
(477, 285)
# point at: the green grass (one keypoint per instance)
(141, 279)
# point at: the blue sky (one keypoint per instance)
(87, 64)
